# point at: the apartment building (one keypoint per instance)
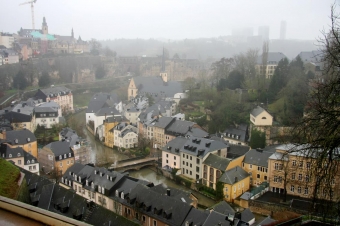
(47, 114)
(268, 68)
(125, 135)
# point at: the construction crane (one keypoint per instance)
(32, 9)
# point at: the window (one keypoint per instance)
(293, 176)
(187, 157)
(190, 165)
(154, 223)
(19, 162)
(167, 161)
(187, 163)
(190, 172)
(174, 157)
(64, 156)
(306, 190)
(307, 178)
(258, 176)
(294, 163)
(308, 165)
(68, 162)
(190, 157)
(265, 178)
(174, 163)
(275, 179)
(242, 164)
(183, 155)
(167, 155)
(259, 168)
(61, 164)
(251, 166)
(69, 154)
(300, 164)
(300, 176)
(299, 190)
(143, 218)
(292, 188)
(197, 169)
(183, 163)
(197, 161)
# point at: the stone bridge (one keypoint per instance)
(134, 164)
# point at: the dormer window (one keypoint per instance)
(117, 193)
(101, 174)
(69, 154)
(19, 154)
(79, 179)
(10, 155)
(64, 156)
(65, 181)
(69, 183)
(107, 176)
(70, 173)
(264, 118)
(87, 183)
(122, 195)
(92, 185)
(110, 178)
(32, 160)
(60, 157)
(95, 172)
(103, 190)
(62, 179)
(28, 162)
(99, 189)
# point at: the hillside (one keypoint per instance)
(9, 177)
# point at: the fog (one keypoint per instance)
(168, 20)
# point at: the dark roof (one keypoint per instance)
(55, 90)
(239, 133)
(119, 118)
(223, 208)
(217, 162)
(14, 117)
(163, 122)
(235, 151)
(273, 58)
(155, 86)
(20, 137)
(315, 56)
(216, 218)
(247, 215)
(7, 152)
(197, 132)
(180, 127)
(256, 111)
(174, 145)
(60, 148)
(266, 221)
(233, 175)
(257, 157)
(107, 111)
(196, 217)
(101, 100)
(174, 192)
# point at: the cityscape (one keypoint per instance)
(239, 129)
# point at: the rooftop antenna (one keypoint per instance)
(32, 10)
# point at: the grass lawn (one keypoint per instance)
(82, 99)
(8, 179)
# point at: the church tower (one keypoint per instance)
(44, 27)
(163, 73)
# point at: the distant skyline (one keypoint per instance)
(168, 19)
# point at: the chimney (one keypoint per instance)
(168, 192)
(236, 179)
(4, 134)
(18, 110)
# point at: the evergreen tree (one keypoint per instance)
(20, 81)
(278, 80)
(44, 80)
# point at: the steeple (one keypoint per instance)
(72, 34)
(44, 27)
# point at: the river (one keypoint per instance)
(100, 152)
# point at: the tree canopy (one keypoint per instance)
(44, 80)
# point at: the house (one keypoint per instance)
(236, 134)
(21, 115)
(157, 87)
(21, 138)
(261, 117)
(19, 157)
(9, 56)
(195, 151)
(171, 158)
(132, 114)
(57, 156)
(6, 39)
(47, 114)
(292, 165)
(268, 68)
(109, 124)
(256, 163)
(80, 151)
(214, 166)
(125, 136)
(59, 94)
(236, 181)
(312, 61)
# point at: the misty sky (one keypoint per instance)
(171, 19)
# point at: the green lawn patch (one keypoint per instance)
(9, 177)
(82, 99)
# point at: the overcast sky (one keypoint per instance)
(171, 19)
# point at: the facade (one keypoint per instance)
(290, 165)
(19, 157)
(109, 124)
(261, 117)
(56, 157)
(236, 181)
(6, 40)
(21, 116)
(268, 68)
(132, 114)
(21, 138)
(9, 56)
(47, 114)
(125, 136)
(60, 95)
(171, 158)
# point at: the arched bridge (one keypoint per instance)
(134, 164)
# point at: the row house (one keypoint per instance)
(81, 152)
(109, 124)
(56, 157)
(60, 95)
(214, 166)
(19, 157)
(47, 114)
(125, 136)
(21, 115)
(236, 135)
(294, 167)
(24, 139)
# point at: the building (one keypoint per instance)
(19, 157)
(6, 40)
(268, 68)
(59, 94)
(214, 166)
(312, 61)
(289, 169)
(236, 181)
(236, 134)
(125, 136)
(56, 157)
(260, 117)
(109, 124)
(21, 138)
(171, 158)
(21, 115)
(132, 114)
(256, 164)
(9, 56)
(47, 114)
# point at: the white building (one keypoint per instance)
(126, 136)
(47, 114)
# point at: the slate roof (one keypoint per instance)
(256, 111)
(163, 122)
(55, 90)
(155, 85)
(257, 157)
(47, 107)
(266, 221)
(229, 176)
(20, 137)
(311, 56)
(60, 148)
(239, 133)
(101, 100)
(174, 192)
(196, 217)
(175, 209)
(223, 208)
(107, 111)
(235, 151)
(217, 162)
(246, 196)
(174, 145)
(197, 132)
(247, 215)
(119, 118)
(216, 218)
(273, 58)
(180, 127)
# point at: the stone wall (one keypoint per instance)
(267, 208)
